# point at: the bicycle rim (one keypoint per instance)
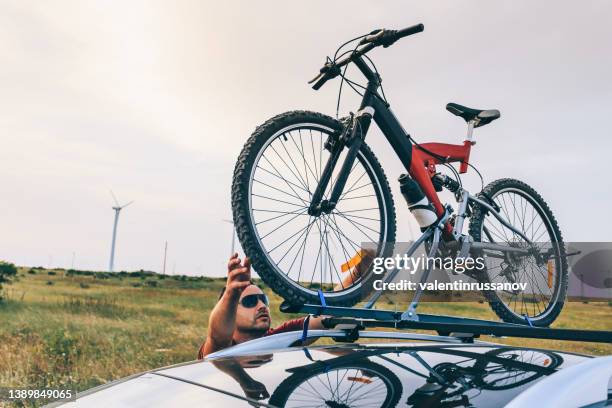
(343, 387)
(306, 251)
(543, 280)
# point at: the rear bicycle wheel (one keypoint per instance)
(295, 253)
(546, 280)
(498, 376)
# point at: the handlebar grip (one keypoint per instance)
(317, 85)
(329, 71)
(409, 31)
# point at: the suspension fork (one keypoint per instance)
(358, 130)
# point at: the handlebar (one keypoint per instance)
(377, 37)
(388, 37)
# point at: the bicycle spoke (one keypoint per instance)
(277, 189)
(286, 165)
(281, 178)
(296, 168)
(300, 212)
(277, 200)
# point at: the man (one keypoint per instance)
(242, 313)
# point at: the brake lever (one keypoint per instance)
(373, 36)
(316, 78)
(330, 69)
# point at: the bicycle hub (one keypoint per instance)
(325, 206)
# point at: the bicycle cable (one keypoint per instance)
(479, 175)
(354, 85)
(349, 82)
(342, 75)
(382, 90)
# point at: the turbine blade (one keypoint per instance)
(114, 198)
(125, 205)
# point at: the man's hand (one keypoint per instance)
(223, 316)
(238, 276)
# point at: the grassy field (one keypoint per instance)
(58, 330)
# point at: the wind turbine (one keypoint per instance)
(117, 209)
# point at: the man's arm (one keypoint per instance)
(222, 321)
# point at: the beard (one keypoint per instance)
(257, 326)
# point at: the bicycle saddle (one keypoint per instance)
(480, 116)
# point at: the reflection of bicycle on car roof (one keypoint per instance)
(449, 383)
(365, 379)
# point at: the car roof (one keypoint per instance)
(492, 374)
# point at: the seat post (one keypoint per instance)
(470, 130)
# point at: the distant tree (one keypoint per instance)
(7, 270)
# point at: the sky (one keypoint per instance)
(154, 100)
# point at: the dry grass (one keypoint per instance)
(80, 331)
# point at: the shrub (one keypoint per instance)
(72, 272)
(7, 270)
(51, 273)
(83, 285)
(49, 283)
(151, 283)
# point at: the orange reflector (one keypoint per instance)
(354, 261)
(546, 362)
(549, 266)
(360, 379)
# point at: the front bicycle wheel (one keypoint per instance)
(295, 253)
(358, 384)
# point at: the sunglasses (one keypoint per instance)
(250, 301)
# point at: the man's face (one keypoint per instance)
(255, 318)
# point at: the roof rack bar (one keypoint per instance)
(449, 324)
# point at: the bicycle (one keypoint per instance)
(307, 191)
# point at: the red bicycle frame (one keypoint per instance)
(423, 165)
